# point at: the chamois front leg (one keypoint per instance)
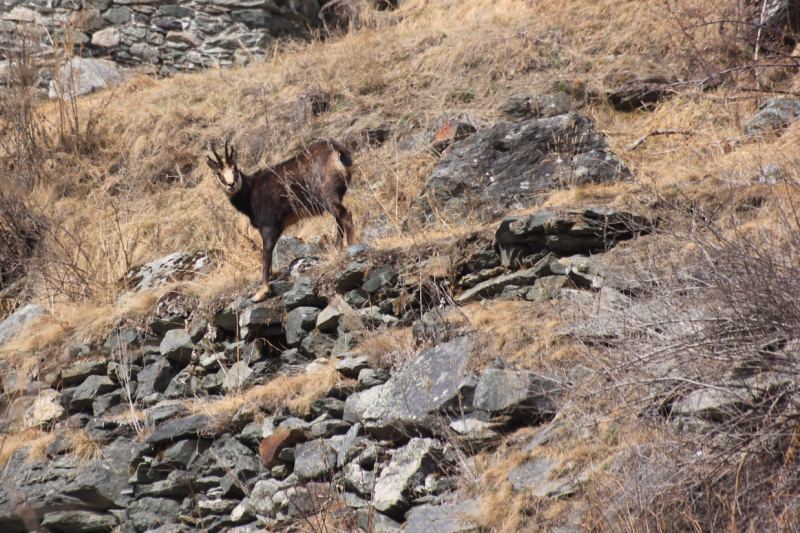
(269, 236)
(344, 224)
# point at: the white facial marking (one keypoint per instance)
(227, 176)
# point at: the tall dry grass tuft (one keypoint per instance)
(708, 359)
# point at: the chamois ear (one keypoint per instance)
(213, 165)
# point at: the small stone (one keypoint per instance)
(303, 294)
(382, 277)
(90, 389)
(299, 322)
(350, 367)
(107, 38)
(177, 346)
(45, 410)
(118, 15)
(78, 372)
(236, 376)
(328, 319)
(371, 377)
(407, 469)
(358, 480)
(356, 298)
(314, 459)
(350, 277)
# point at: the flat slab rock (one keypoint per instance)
(176, 266)
(448, 517)
(509, 165)
(433, 382)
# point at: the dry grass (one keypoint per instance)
(35, 440)
(145, 191)
(296, 392)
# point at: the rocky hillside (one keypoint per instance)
(570, 307)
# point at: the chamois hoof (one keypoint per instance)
(261, 295)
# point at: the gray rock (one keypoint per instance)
(303, 294)
(183, 385)
(118, 15)
(90, 389)
(236, 376)
(358, 480)
(164, 411)
(105, 402)
(513, 392)
(350, 367)
(579, 231)
(16, 321)
(384, 276)
(78, 372)
(299, 321)
(181, 428)
(348, 445)
(45, 409)
(356, 298)
(547, 287)
(177, 346)
(154, 378)
(773, 116)
(436, 381)
(447, 517)
(261, 321)
(317, 345)
(78, 522)
(181, 454)
(234, 458)
(371, 377)
(174, 11)
(523, 106)
(314, 459)
(635, 87)
(495, 286)
(410, 464)
(328, 318)
(534, 476)
(82, 75)
(510, 165)
(106, 38)
(149, 513)
(350, 277)
(260, 499)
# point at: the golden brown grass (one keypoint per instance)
(296, 392)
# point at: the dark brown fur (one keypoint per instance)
(311, 183)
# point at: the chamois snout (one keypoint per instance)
(227, 172)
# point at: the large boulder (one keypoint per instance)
(83, 75)
(437, 381)
(509, 166)
(16, 321)
(396, 484)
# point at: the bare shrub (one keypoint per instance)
(709, 360)
(20, 233)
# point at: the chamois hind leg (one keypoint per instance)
(344, 224)
(268, 238)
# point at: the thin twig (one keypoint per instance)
(641, 140)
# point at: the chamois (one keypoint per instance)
(311, 183)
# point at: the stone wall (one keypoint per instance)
(166, 36)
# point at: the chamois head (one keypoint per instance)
(227, 173)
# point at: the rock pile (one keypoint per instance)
(170, 36)
(376, 448)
